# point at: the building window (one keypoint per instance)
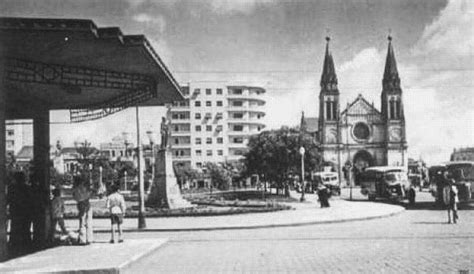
(197, 91)
(208, 128)
(113, 153)
(220, 140)
(208, 103)
(361, 131)
(237, 103)
(174, 116)
(198, 152)
(198, 128)
(220, 152)
(10, 143)
(199, 165)
(219, 103)
(197, 103)
(237, 92)
(238, 115)
(208, 91)
(238, 152)
(209, 152)
(176, 128)
(238, 128)
(259, 128)
(219, 91)
(176, 141)
(238, 140)
(10, 132)
(208, 140)
(198, 141)
(197, 116)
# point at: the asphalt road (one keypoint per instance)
(418, 240)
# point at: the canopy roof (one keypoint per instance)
(73, 64)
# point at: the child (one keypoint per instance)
(117, 207)
(57, 205)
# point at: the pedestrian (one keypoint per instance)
(81, 194)
(20, 207)
(57, 211)
(116, 206)
(453, 204)
(323, 195)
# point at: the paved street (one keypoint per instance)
(418, 240)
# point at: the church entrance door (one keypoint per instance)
(362, 159)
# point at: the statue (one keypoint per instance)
(165, 132)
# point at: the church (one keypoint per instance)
(359, 135)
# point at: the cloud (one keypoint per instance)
(236, 6)
(158, 22)
(441, 91)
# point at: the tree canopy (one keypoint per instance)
(275, 154)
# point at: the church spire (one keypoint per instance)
(328, 77)
(391, 80)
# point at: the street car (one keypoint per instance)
(388, 182)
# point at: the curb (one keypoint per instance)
(257, 226)
(138, 257)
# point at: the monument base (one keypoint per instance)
(165, 192)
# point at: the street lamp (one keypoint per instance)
(302, 151)
(151, 138)
(141, 194)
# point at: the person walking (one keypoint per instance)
(117, 207)
(57, 206)
(453, 204)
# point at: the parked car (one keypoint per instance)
(389, 182)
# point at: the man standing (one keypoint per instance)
(81, 194)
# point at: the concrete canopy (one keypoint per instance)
(73, 64)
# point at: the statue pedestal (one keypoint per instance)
(165, 191)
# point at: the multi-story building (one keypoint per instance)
(215, 122)
(18, 134)
(463, 154)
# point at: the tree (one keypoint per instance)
(184, 173)
(275, 155)
(220, 176)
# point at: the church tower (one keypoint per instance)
(328, 101)
(392, 112)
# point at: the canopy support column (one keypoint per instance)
(3, 177)
(42, 216)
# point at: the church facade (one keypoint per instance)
(361, 134)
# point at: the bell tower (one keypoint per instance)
(328, 101)
(392, 111)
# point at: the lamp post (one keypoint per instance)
(141, 190)
(151, 138)
(303, 186)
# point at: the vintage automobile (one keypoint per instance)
(389, 182)
(462, 172)
(329, 179)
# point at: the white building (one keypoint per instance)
(18, 133)
(215, 122)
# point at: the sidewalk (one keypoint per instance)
(304, 213)
(100, 257)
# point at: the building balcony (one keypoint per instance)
(181, 133)
(181, 145)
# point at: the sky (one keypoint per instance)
(279, 45)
